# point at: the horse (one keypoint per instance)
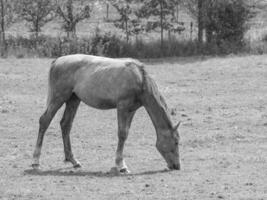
(107, 83)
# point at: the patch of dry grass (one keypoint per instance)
(220, 101)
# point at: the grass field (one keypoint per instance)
(220, 101)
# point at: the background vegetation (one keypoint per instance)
(128, 28)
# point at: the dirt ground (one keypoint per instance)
(222, 103)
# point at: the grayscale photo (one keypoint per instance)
(133, 99)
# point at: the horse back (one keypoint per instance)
(99, 82)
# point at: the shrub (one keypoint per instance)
(226, 23)
(112, 46)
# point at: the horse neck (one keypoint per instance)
(156, 107)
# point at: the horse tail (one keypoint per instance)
(50, 92)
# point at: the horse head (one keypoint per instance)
(168, 146)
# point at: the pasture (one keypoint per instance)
(222, 103)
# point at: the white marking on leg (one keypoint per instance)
(120, 163)
(36, 156)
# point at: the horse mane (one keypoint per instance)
(151, 91)
(144, 85)
(144, 76)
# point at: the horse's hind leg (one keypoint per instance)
(124, 122)
(66, 124)
(44, 122)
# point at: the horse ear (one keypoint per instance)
(177, 126)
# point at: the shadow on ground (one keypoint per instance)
(73, 172)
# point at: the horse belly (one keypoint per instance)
(105, 88)
(102, 96)
(92, 98)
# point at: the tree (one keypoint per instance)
(37, 13)
(7, 17)
(3, 27)
(226, 20)
(128, 20)
(160, 14)
(222, 20)
(191, 6)
(197, 10)
(72, 14)
(200, 19)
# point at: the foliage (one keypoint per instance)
(36, 13)
(128, 21)
(7, 17)
(223, 20)
(101, 44)
(110, 45)
(226, 21)
(160, 14)
(72, 14)
(159, 10)
(8, 12)
(191, 6)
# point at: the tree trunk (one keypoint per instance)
(161, 25)
(71, 32)
(126, 29)
(191, 30)
(74, 36)
(3, 37)
(107, 14)
(36, 31)
(209, 36)
(36, 35)
(209, 25)
(200, 22)
(177, 12)
(71, 25)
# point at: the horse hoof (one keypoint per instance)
(35, 166)
(124, 171)
(78, 165)
(117, 172)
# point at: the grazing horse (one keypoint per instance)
(106, 83)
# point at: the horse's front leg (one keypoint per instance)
(124, 122)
